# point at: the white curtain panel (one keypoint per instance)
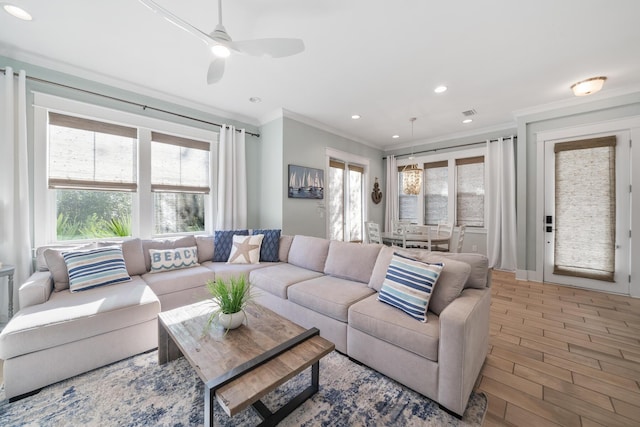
(391, 201)
(501, 228)
(232, 180)
(15, 237)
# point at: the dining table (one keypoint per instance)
(395, 238)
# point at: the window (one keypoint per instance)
(470, 191)
(436, 192)
(346, 196)
(179, 181)
(102, 173)
(408, 203)
(452, 190)
(92, 170)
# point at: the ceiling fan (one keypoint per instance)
(222, 45)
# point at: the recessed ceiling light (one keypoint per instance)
(17, 12)
(395, 136)
(355, 116)
(465, 121)
(255, 99)
(440, 89)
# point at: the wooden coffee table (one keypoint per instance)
(242, 366)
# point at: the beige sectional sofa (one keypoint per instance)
(327, 284)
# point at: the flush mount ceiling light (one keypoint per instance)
(395, 136)
(16, 11)
(465, 121)
(440, 89)
(589, 86)
(255, 99)
(355, 116)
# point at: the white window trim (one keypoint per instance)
(450, 157)
(142, 203)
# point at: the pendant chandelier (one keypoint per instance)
(411, 174)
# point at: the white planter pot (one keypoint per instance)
(231, 321)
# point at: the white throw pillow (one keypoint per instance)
(246, 249)
(173, 259)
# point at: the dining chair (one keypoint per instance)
(398, 226)
(416, 236)
(373, 232)
(444, 229)
(460, 238)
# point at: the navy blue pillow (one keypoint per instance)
(270, 249)
(223, 242)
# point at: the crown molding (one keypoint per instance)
(504, 127)
(79, 72)
(576, 101)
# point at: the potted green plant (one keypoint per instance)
(230, 298)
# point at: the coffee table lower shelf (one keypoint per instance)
(234, 392)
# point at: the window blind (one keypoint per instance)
(89, 154)
(436, 192)
(179, 165)
(470, 191)
(585, 208)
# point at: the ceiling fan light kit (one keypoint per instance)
(222, 45)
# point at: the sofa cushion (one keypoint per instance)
(171, 281)
(132, 253)
(181, 242)
(269, 252)
(276, 279)
(67, 317)
(353, 261)
(478, 278)
(380, 269)
(450, 284)
(226, 271)
(95, 267)
(393, 326)
(285, 246)
(408, 285)
(309, 252)
(173, 259)
(57, 266)
(223, 242)
(328, 295)
(245, 249)
(205, 248)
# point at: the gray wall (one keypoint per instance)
(272, 176)
(305, 145)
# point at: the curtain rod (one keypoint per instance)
(113, 98)
(455, 146)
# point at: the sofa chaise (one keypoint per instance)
(331, 285)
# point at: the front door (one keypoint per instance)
(586, 222)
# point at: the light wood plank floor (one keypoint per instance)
(561, 356)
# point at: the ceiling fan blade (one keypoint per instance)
(274, 48)
(216, 71)
(178, 22)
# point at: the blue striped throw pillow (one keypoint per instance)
(408, 285)
(96, 267)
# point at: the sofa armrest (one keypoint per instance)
(36, 290)
(464, 343)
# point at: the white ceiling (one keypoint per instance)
(376, 58)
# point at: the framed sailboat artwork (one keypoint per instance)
(306, 183)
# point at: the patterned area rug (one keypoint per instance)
(139, 392)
